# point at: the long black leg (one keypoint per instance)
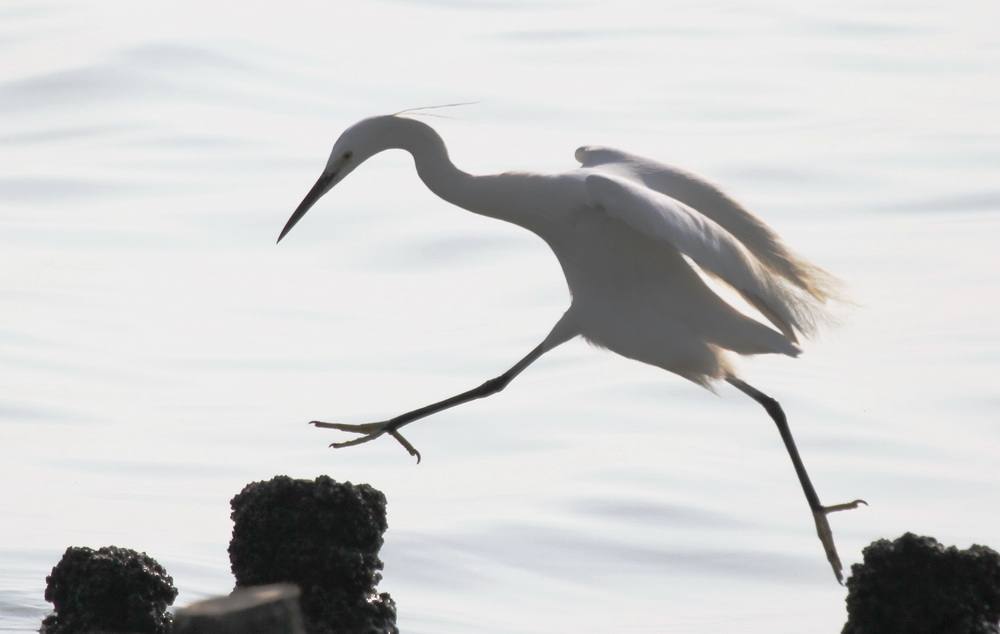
(819, 511)
(372, 431)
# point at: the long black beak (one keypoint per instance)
(317, 191)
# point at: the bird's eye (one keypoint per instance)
(347, 156)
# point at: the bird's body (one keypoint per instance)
(631, 293)
(636, 240)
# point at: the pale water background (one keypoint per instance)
(158, 351)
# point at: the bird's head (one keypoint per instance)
(356, 145)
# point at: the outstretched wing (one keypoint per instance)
(706, 242)
(710, 201)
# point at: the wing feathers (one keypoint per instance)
(711, 246)
(712, 202)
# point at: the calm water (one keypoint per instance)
(158, 351)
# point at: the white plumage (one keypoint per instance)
(629, 233)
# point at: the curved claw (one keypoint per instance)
(406, 444)
(370, 432)
(844, 507)
(825, 534)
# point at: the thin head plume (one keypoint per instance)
(418, 112)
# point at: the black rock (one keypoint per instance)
(916, 585)
(109, 590)
(323, 536)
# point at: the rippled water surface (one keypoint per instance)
(158, 351)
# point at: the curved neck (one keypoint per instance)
(434, 166)
(510, 197)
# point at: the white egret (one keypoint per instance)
(628, 233)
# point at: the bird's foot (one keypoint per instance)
(826, 535)
(369, 431)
